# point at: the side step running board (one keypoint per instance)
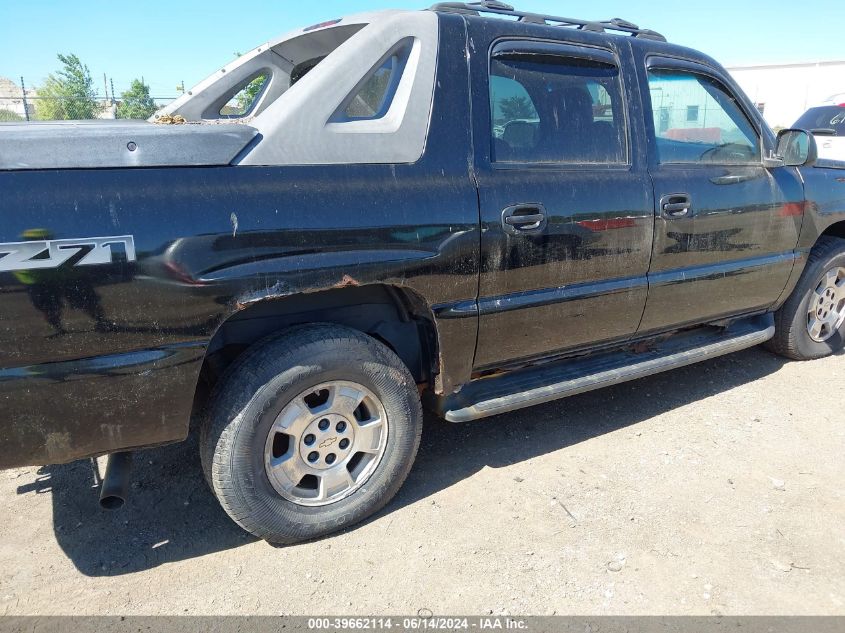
(544, 383)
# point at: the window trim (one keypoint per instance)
(679, 64)
(508, 48)
(568, 50)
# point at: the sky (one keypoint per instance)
(166, 42)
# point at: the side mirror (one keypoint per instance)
(795, 148)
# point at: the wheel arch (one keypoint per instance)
(837, 229)
(397, 316)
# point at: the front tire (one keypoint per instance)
(811, 324)
(310, 432)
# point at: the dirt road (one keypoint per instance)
(713, 489)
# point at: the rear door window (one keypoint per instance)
(515, 119)
(552, 107)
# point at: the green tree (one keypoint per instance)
(136, 103)
(249, 94)
(69, 94)
(8, 115)
(242, 102)
(516, 107)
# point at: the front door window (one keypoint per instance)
(697, 121)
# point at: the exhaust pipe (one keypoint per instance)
(115, 488)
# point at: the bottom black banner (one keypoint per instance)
(425, 622)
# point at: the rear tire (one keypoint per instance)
(310, 432)
(811, 324)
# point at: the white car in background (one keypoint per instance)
(837, 99)
(827, 123)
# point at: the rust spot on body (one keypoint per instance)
(347, 282)
(281, 291)
(278, 291)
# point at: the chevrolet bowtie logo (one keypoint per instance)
(327, 443)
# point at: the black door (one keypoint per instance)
(566, 204)
(726, 227)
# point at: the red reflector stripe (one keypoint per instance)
(792, 209)
(607, 225)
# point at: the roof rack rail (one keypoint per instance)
(500, 8)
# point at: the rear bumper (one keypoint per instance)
(60, 412)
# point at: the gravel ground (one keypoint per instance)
(713, 489)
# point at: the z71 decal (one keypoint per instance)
(41, 254)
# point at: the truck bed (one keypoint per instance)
(105, 144)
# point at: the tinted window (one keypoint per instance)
(697, 121)
(373, 98)
(556, 109)
(824, 118)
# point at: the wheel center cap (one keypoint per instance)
(327, 441)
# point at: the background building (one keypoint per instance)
(11, 98)
(783, 92)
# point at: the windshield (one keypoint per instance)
(824, 118)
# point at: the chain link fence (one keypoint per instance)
(20, 103)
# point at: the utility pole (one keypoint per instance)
(105, 87)
(113, 101)
(25, 104)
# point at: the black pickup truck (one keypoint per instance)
(437, 206)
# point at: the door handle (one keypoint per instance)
(524, 218)
(676, 205)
